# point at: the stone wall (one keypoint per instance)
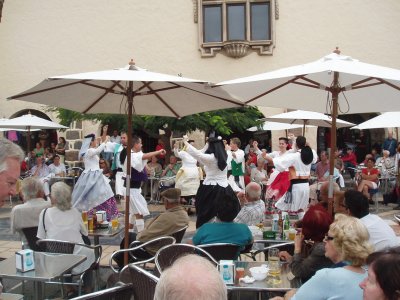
(74, 137)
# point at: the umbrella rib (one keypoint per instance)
(272, 90)
(389, 84)
(203, 93)
(163, 101)
(158, 90)
(45, 90)
(105, 88)
(101, 97)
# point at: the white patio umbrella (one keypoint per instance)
(304, 118)
(8, 129)
(333, 84)
(267, 125)
(129, 90)
(29, 123)
(385, 120)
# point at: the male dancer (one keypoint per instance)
(236, 162)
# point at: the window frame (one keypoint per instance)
(236, 48)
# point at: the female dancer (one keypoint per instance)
(215, 186)
(92, 190)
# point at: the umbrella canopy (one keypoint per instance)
(360, 87)
(333, 84)
(304, 118)
(129, 90)
(9, 129)
(29, 122)
(385, 120)
(267, 125)
(154, 94)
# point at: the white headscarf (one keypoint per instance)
(85, 145)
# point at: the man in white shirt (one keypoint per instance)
(381, 235)
(253, 209)
(236, 162)
(27, 214)
(57, 169)
(42, 171)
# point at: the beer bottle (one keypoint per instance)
(280, 226)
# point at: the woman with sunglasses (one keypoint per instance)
(346, 244)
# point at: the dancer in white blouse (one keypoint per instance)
(215, 185)
(189, 175)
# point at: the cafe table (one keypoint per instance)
(48, 267)
(284, 282)
(105, 232)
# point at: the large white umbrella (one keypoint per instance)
(385, 120)
(304, 118)
(29, 123)
(129, 90)
(267, 125)
(333, 84)
(8, 129)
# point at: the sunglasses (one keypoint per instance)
(328, 238)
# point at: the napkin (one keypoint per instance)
(247, 279)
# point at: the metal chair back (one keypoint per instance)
(178, 235)
(167, 255)
(144, 283)
(221, 251)
(30, 234)
(156, 243)
(120, 292)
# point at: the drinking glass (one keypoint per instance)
(114, 222)
(90, 224)
(84, 216)
(273, 262)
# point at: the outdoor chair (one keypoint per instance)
(30, 236)
(137, 248)
(64, 247)
(119, 292)
(221, 251)
(167, 255)
(373, 194)
(144, 283)
(178, 235)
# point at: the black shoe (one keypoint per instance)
(397, 207)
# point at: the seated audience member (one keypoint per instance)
(381, 235)
(224, 230)
(104, 166)
(173, 219)
(338, 197)
(253, 209)
(383, 281)
(350, 161)
(259, 174)
(369, 178)
(170, 170)
(346, 244)
(42, 171)
(191, 277)
(57, 168)
(64, 222)
(27, 214)
(315, 226)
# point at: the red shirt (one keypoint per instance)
(372, 171)
(351, 158)
(160, 147)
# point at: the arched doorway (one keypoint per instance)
(45, 137)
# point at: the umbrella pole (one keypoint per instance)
(28, 146)
(128, 168)
(335, 95)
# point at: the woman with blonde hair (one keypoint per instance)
(346, 244)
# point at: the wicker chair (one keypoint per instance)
(119, 292)
(64, 247)
(166, 256)
(136, 245)
(178, 235)
(222, 251)
(30, 236)
(144, 283)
